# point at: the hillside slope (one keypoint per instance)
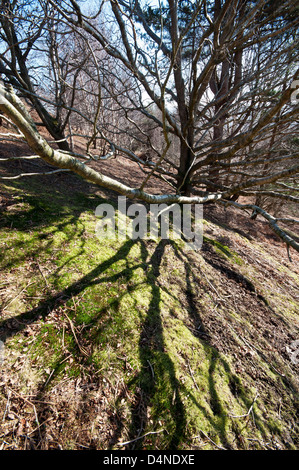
(137, 344)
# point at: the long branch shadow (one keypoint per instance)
(216, 358)
(151, 341)
(157, 390)
(36, 211)
(235, 276)
(46, 306)
(150, 402)
(156, 366)
(218, 417)
(155, 362)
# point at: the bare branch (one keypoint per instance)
(271, 220)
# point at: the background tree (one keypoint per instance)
(205, 87)
(23, 27)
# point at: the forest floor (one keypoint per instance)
(140, 344)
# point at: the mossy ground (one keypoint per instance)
(107, 341)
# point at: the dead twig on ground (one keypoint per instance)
(31, 404)
(7, 406)
(16, 296)
(248, 412)
(191, 373)
(81, 348)
(209, 439)
(140, 437)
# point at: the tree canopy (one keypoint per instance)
(201, 94)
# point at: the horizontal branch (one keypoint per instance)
(22, 175)
(288, 220)
(293, 170)
(13, 107)
(274, 194)
(9, 135)
(25, 157)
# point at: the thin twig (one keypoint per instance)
(151, 367)
(40, 270)
(49, 378)
(7, 406)
(44, 173)
(140, 437)
(81, 348)
(30, 403)
(248, 412)
(14, 298)
(211, 285)
(39, 426)
(209, 439)
(191, 373)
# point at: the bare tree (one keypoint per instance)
(22, 29)
(207, 91)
